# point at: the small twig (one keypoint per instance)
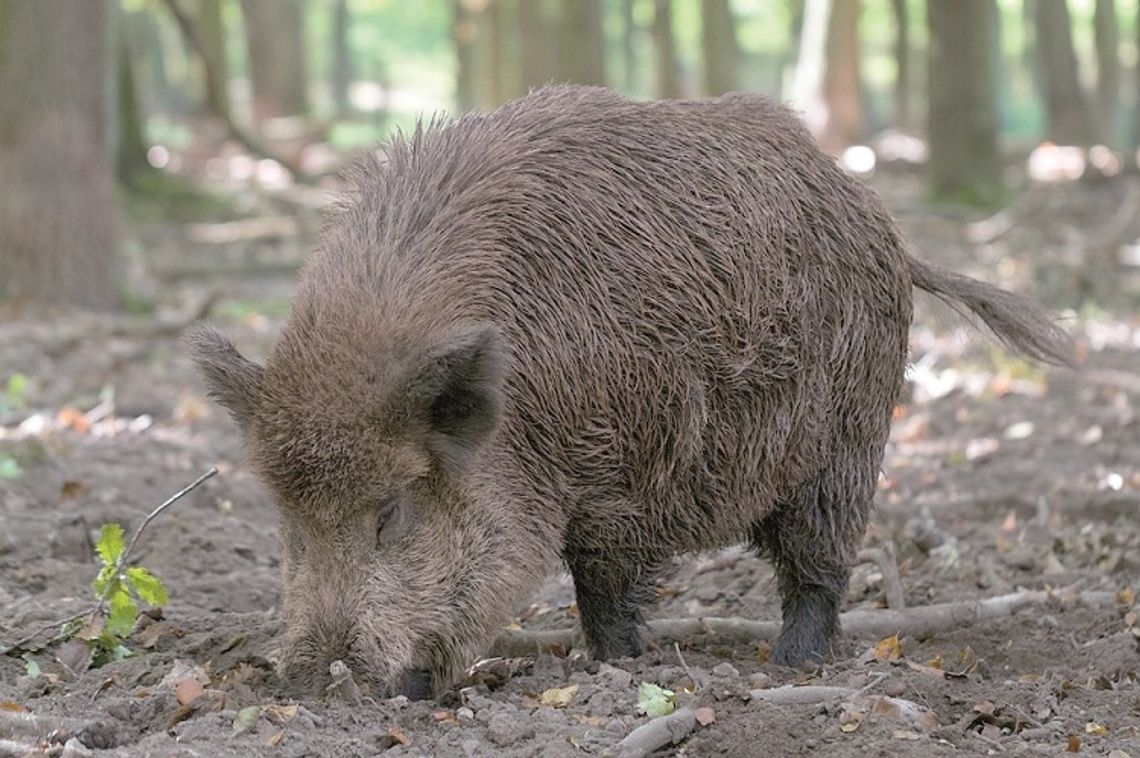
(169, 502)
(884, 558)
(685, 666)
(99, 607)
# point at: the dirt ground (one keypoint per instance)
(1000, 476)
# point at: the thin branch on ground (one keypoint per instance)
(120, 564)
(884, 558)
(916, 621)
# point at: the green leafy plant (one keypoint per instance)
(119, 588)
(98, 634)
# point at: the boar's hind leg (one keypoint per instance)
(609, 595)
(811, 541)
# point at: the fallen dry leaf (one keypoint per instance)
(1125, 597)
(188, 690)
(935, 662)
(72, 418)
(8, 705)
(275, 739)
(558, 697)
(398, 735)
(444, 716)
(984, 707)
(280, 714)
(888, 649)
(1074, 744)
(1010, 522)
(705, 715)
(1095, 729)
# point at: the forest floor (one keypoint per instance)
(999, 477)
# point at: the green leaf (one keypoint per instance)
(654, 701)
(124, 611)
(9, 468)
(147, 585)
(17, 386)
(105, 581)
(110, 544)
(32, 668)
(246, 718)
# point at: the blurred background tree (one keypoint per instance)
(169, 97)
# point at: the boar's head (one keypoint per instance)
(400, 551)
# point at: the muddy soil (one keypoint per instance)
(1000, 476)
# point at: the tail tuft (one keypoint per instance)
(1022, 325)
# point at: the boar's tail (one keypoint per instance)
(1020, 324)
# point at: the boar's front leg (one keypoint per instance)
(609, 594)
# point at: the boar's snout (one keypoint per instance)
(313, 641)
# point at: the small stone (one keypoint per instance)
(506, 728)
(1118, 754)
(478, 703)
(470, 747)
(580, 678)
(614, 676)
(894, 688)
(725, 670)
(464, 713)
(601, 704)
(759, 681)
(73, 748)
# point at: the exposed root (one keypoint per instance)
(921, 621)
(656, 734)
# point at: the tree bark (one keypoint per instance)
(273, 31)
(1067, 114)
(1107, 71)
(583, 43)
(131, 159)
(964, 162)
(665, 50)
(212, 33)
(903, 114)
(842, 91)
(719, 49)
(59, 231)
(340, 76)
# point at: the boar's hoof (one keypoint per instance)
(416, 684)
(797, 647)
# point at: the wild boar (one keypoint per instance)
(584, 331)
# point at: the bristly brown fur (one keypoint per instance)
(588, 329)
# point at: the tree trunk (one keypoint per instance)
(1068, 122)
(1107, 71)
(131, 154)
(539, 56)
(665, 50)
(903, 113)
(583, 42)
(340, 77)
(628, 53)
(273, 30)
(59, 232)
(212, 33)
(718, 42)
(842, 93)
(464, 31)
(964, 162)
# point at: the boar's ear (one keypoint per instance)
(231, 380)
(459, 392)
